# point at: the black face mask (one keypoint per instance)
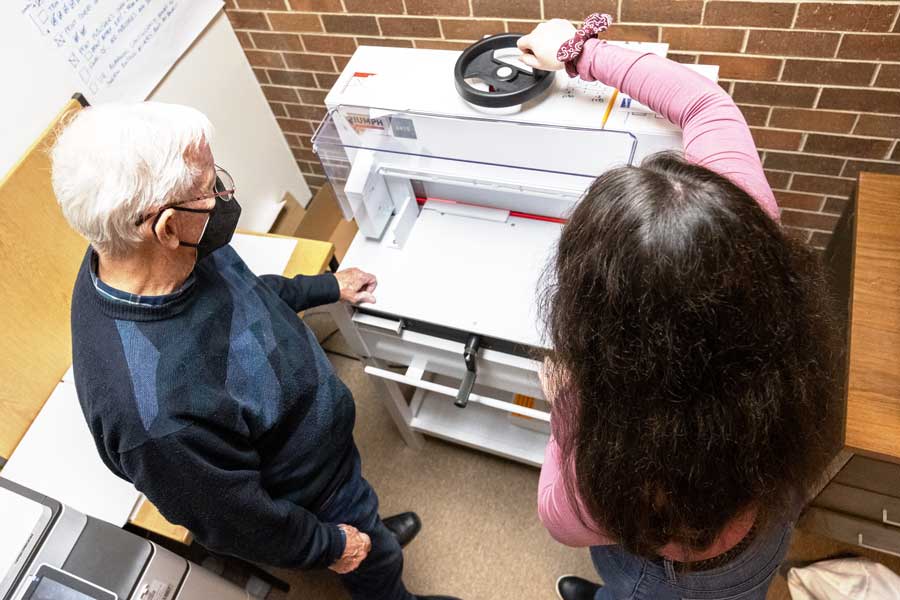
(220, 226)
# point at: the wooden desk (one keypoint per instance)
(861, 503)
(310, 257)
(873, 400)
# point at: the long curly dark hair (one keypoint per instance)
(693, 356)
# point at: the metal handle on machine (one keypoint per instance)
(470, 354)
(413, 377)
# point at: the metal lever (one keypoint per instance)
(468, 382)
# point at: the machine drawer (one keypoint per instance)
(852, 530)
(385, 340)
(871, 474)
(861, 503)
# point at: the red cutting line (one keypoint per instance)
(512, 213)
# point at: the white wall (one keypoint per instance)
(213, 75)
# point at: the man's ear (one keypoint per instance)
(166, 229)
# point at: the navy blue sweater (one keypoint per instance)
(218, 403)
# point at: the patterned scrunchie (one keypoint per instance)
(569, 52)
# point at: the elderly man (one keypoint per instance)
(199, 382)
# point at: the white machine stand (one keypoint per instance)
(459, 213)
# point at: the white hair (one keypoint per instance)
(113, 163)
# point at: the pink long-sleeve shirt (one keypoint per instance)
(716, 136)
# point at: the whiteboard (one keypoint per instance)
(213, 76)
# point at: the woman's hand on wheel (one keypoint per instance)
(539, 47)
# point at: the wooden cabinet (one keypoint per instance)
(861, 503)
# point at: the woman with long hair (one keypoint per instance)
(691, 374)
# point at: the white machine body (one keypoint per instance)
(459, 212)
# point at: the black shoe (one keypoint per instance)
(569, 587)
(405, 527)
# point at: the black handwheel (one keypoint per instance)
(510, 85)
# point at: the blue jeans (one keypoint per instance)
(379, 576)
(747, 577)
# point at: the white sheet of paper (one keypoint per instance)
(264, 255)
(119, 50)
(18, 518)
(58, 458)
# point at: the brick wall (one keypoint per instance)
(819, 82)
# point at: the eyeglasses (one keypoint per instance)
(223, 188)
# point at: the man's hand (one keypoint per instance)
(356, 286)
(355, 551)
(539, 47)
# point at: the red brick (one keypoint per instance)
(315, 182)
(297, 78)
(305, 167)
(325, 81)
(318, 6)
(437, 7)
(509, 9)
(520, 26)
(354, 24)
(774, 94)
(877, 101)
(824, 71)
(777, 179)
(441, 45)
(259, 58)
(242, 19)
(277, 41)
(792, 43)
(632, 33)
(819, 239)
(662, 11)
(895, 155)
(313, 97)
(846, 146)
(340, 62)
(776, 139)
(704, 39)
(755, 115)
(309, 62)
(870, 47)
(771, 15)
(840, 17)
(263, 4)
(301, 111)
(801, 235)
(329, 44)
(383, 42)
(685, 59)
(261, 75)
(468, 29)
(878, 125)
(577, 10)
(888, 76)
(294, 126)
(829, 186)
(808, 220)
(278, 109)
(381, 7)
(245, 39)
(799, 201)
(410, 27)
(279, 94)
(853, 168)
(744, 67)
(803, 163)
(834, 205)
(812, 120)
(303, 154)
(294, 22)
